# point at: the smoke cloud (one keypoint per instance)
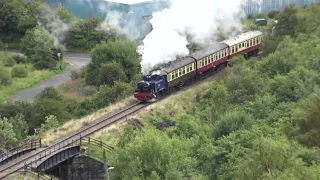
(127, 19)
(200, 19)
(57, 28)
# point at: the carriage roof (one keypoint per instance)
(242, 37)
(213, 48)
(179, 63)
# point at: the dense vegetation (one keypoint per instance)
(258, 120)
(76, 34)
(44, 33)
(17, 73)
(108, 56)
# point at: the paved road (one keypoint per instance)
(77, 60)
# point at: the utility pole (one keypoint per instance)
(106, 169)
(59, 61)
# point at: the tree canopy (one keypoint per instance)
(120, 51)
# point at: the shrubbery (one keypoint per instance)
(20, 59)
(258, 120)
(5, 77)
(9, 62)
(19, 72)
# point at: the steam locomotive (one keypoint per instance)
(179, 72)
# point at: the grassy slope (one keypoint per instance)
(20, 84)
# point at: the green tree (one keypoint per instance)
(64, 15)
(20, 127)
(272, 14)
(306, 117)
(37, 45)
(306, 21)
(10, 13)
(50, 123)
(230, 122)
(3, 46)
(5, 77)
(110, 73)
(287, 21)
(120, 51)
(85, 34)
(151, 153)
(7, 134)
(243, 83)
(269, 158)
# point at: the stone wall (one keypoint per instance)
(79, 168)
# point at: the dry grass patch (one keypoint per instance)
(76, 89)
(110, 135)
(74, 125)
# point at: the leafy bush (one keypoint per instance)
(19, 71)
(20, 59)
(49, 93)
(9, 62)
(74, 74)
(110, 73)
(3, 46)
(83, 72)
(5, 77)
(51, 122)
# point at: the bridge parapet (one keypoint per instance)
(62, 151)
(19, 150)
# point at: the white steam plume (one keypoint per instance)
(201, 19)
(57, 28)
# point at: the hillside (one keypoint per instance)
(259, 119)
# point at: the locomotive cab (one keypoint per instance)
(150, 87)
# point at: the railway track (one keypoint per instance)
(16, 165)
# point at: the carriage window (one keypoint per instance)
(183, 71)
